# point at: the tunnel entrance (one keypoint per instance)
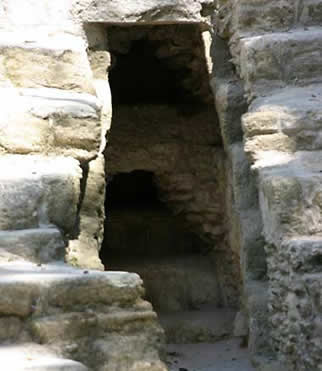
(165, 166)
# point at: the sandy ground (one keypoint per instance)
(226, 355)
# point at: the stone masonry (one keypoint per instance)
(58, 310)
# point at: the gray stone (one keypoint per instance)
(38, 191)
(37, 245)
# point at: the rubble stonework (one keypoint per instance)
(55, 115)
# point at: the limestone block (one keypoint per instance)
(74, 325)
(269, 142)
(28, 288)
(290, 196)
(37, 245)
(295, 112)
(49, 120)
(264, 60)
(38, 191)
(255, 17)
(145, 11)
(57, 62)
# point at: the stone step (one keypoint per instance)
(39, 245)
(37, 191)
(76, 325)
(207, 325)
(275, 60)
(289, 120)
(32, 357)
(29, 289)
(290, 194)
(31, 60)
(277, 15)
(49, 120)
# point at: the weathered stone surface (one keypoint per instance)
(76, 325)
(38, 191)
(83, 251)
(51, 121)
(253, 17)
(188, 169)
(27, 288)
(54, 62)
(145, 11)
(295, 272)
(290, 195)
(270, 50)
(37, 245)
(293, 114)
(264, 60)
(100, 62)
(228, 92)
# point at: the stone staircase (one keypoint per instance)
(282, 73)
(276, 49)
(51, 313)
(54, 316)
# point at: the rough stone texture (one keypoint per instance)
(149, 11)
(50, 121)
(275, 47)
(264, 60)
(57, 62)
(64, 307)
(282, 141)
(188, 170)
(52, 126)
(83, 251)
(37, 245)
(38, 191)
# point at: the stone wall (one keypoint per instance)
(58, 110)
(275, 49)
